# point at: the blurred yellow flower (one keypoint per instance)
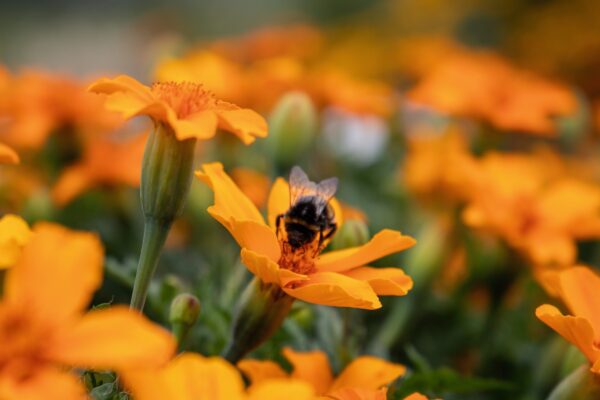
(485, 86)
(93, 169)
(14, 234)
(363, 379)
(193, 377)
(338, 278)
(44, 327)
(187, 108)
(578, 288)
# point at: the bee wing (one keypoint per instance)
(300, 185)
(325, 191)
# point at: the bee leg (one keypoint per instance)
(331, 232)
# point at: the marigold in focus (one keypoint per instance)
(193, 377)
(337, 278)
(187, 108)
(364, 378)
(44, 327)
(579, 289)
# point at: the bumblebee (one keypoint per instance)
(310, 216)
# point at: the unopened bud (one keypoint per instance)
(293, 124)
(353, 233)
(581, 384)
(183, 314)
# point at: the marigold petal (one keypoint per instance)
(72, 182)
(121, 83)
(416, 396)
(312, 367)
(14, 234)
(188, 377)
(277, 389)
(244, 123)
(44, 384)
(579, 289)
(358, 394)
(333, 289)
(576, 330)
(268, 270)
(368, 372)
(382, 244)
(259, 370)
(279, 201)
(384, 281)
(113, 338)
(57, 272)
(8, 155)
(201, 125)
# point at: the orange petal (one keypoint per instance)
(121, 83)
(268, 270)
(113, 338)
(368, 372)
(576, 330)
(72, 182)
(57, 273)
(8, 155)
(416, 396)
(44, 384)
(358, 394)
(279, 201)
(259, 370)
(202, 125)
(384, 281)
(333, 289)
(237, 212)
(312, 367)
(579, 289)
(244, 123)
(382, 244)
(277, 389)
(14, 234)
(188, 377)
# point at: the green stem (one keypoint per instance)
(155, 234)
(581, 384)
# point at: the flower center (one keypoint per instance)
(300, 260)
(184, 98)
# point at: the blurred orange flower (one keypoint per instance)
(93, 169)
(338, 278)
(14, 234)
(37, 104)
(253, 184)
(193, 377)
(43, 326)
(578, 288)
(484, 86)
(363, 379)
(8, 155)
(537, 212)
(416, 396)
(187, 108)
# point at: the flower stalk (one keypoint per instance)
(166, 178)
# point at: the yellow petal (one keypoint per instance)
(368, 372)
(43, 384)
(188, 377)
(14, 234)
(312, 367)
(57, 273)
(580, 290)
(244, 123)
(121, 83)
(333, 289)
(8, 155)
(576, 330)
(278, 389)
(382, 244)
(259, 370)
(279, 200)
(358, 394)
(384, 281)
(237, 213)
(113, 338)
(268, 270)
(201, 125)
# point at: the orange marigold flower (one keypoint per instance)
(363, 379)
(14, 234)
(524, 202)
(487, 87)
(93, 169)
(8, 155)
(578, 288)
(193, 377)
(254, 185)
(338, 278)
(37, 104)
(43, 325)
(189, 109)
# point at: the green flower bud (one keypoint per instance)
(259, 314)
(352, 233)
(183, 314)
(292, 127)
(581, 384)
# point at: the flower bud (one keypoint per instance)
(581, 384)
(353, 233)
(292, 127)
(259, 314)
(183, 314)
